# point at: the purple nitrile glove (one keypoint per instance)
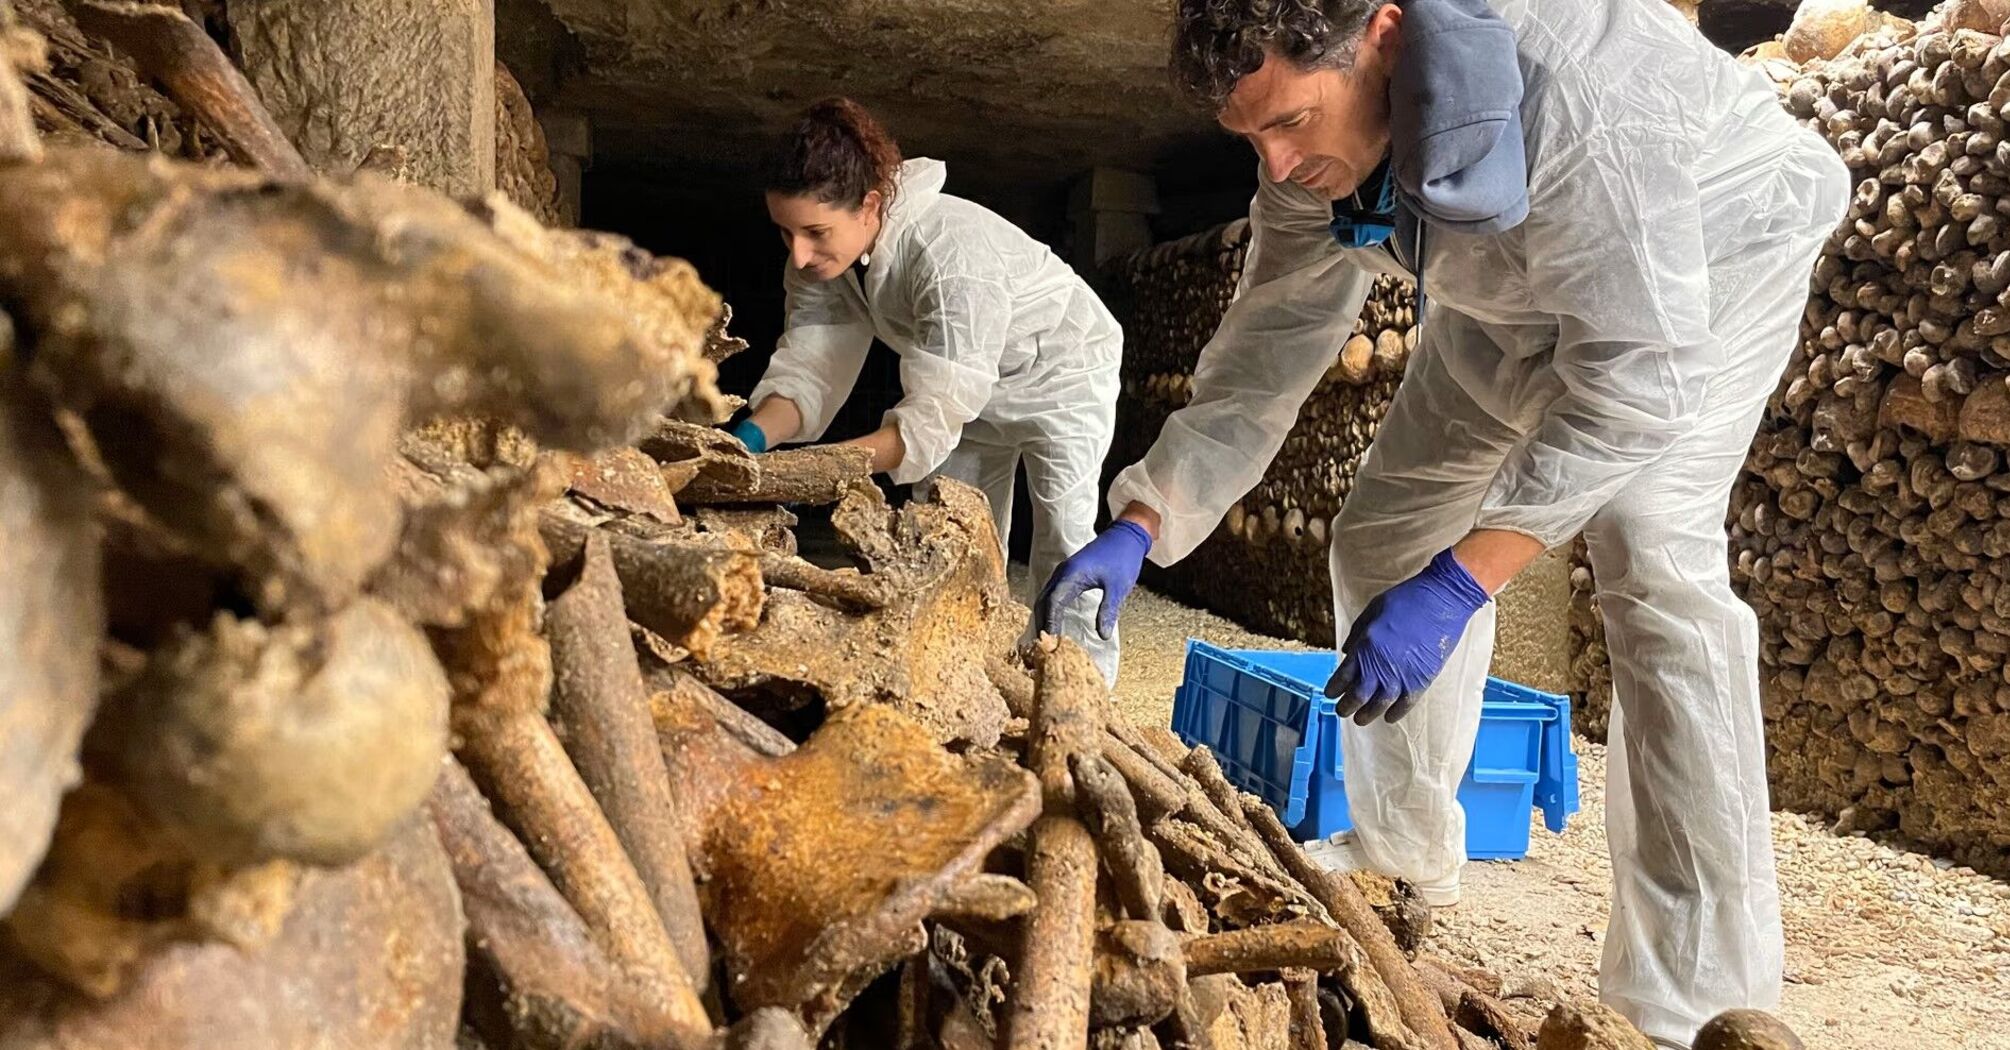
(1110, 563)
(1402, 639)
(750, 435)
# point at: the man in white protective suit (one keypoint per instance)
(1613, 225)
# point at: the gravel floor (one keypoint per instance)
(1885, 948)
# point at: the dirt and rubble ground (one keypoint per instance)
(1885, 947)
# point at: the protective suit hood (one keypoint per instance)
(918, 187)
(1455, 133)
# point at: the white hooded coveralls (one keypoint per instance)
(1601, 367)
(1006, 357)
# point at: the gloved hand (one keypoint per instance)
(1402, 639)
(1110, 563)
(750, 435)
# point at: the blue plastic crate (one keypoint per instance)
(1277, 737)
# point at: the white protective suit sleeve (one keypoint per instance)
(1616, 251)
(1294, 309)
(825, 339)
(962, 315)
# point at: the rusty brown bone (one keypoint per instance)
(937, 560)
(691, 594)
(554, 987)
(1421, 1013)
(817, 474)
(1302, 944)
(50, 625)
(181, 57)
(257, 417)
(599, 702)
(821, 865)
(500, 668)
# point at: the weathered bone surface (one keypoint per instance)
(308, 741)
(1746, 1030)
(603, 716)
(176, 53)
(543, 983)
(938, 562)
(820, 865)
(22, 51)
(50, 624)
(816, 474)
(369, 955)
(693, 594)
(241, 410)
(1593, 1026)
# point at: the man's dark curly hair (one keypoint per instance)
(1218, 42)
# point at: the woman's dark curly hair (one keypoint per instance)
(1218, 42)
(837, 153)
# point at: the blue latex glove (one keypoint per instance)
(750, 435)
(1110, 563)
(1402, 639)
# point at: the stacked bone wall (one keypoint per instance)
(1869, 529)
(1265, 564)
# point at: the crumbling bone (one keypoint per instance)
(1049, 1009)
(843, 586)
(1308, 1031)
(21, 51)
(307, 741)
(599, 703)
(366, 955)
(1066, 721)
(689, 452)
(767, 528)
(672, 688)
(257, 417)
(50, 624)
(178, 54)
(500, 668)
(625, 480)
(692, 594)
(1590, 1026)
(815, 474)
(662, 299)
(1474, 1010)
(1139, 975)
(1197, 857)
(1421, 1013)
(821, 865)
(1301, 944)
(937, 561)
(461, 541)
(554, 987)
(1112, 817)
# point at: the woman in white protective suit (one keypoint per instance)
(1614, 225)
(1006, 356)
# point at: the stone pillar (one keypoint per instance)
(1111, 211)
(1532, 638)
(568, 137)
(345, 76)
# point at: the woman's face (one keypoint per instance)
(824, 239)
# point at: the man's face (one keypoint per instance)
(1324, 129)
